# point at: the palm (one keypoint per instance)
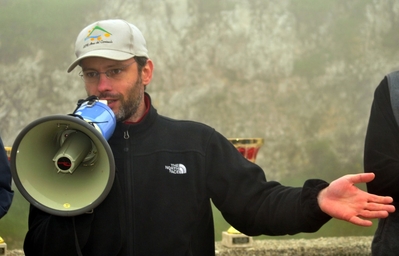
(343, 200)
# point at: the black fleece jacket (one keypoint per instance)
(381, 156)
(167, 173)
(381, 152)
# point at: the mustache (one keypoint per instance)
(107, 95)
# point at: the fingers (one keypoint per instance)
(372, 211)
(357, 220)
(380, 207)
(373, 214)
(379, 199)
(360, 177)
(361, 222)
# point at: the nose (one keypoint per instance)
(104, 84)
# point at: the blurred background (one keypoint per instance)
(299, 74)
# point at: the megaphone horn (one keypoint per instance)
(62, 164)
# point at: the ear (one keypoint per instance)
(146, 72)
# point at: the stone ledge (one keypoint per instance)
(328, 246)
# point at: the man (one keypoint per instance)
(381, 157)
(6, 194)
(167, 171)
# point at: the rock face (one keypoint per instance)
(15, 253)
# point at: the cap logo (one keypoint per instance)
(97, 35)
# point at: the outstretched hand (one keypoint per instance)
(343, 200)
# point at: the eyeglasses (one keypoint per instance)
(92, 77)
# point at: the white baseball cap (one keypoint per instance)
(111, 39)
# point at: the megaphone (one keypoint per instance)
(63, 164)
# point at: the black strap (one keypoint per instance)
(393, 85)
(91, 99)
(78, 251)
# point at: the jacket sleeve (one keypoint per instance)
(255, 206)
(6, 194)
(381, 151)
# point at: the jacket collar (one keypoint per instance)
(144, 124)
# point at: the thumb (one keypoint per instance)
(360, 178)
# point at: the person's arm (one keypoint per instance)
(253, 205)
(381, 150)
(6, 193)
(256, 206)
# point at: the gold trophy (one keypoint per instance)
(249, 148)
(8, 152)
(3, 245)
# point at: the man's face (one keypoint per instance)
(118, 82)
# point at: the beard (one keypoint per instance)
(130, 104)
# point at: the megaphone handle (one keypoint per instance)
(90, 99)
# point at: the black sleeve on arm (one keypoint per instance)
(252, 204)
(6, 194)
(381, 151)
(310, 205)
(288, 211)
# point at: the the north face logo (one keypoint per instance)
(176, 169)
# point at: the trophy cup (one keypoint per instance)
(3, 245)
(8, 152)
(249, 148)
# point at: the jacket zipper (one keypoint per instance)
(129, 195)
